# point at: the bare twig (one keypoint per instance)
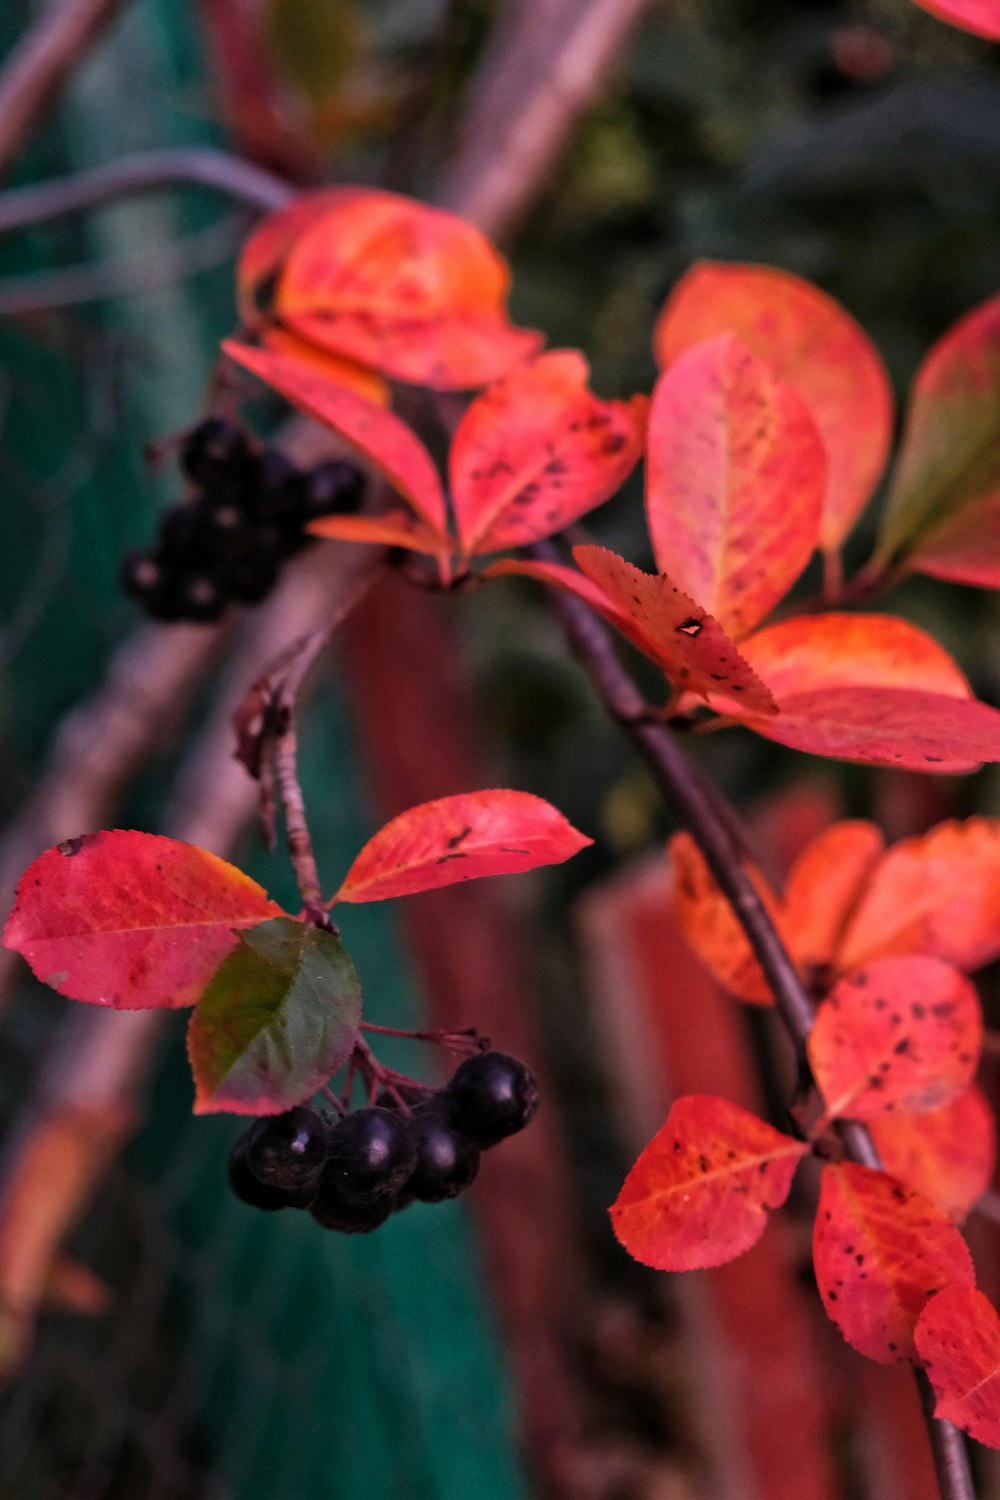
(40, 64)
(146, 172)
(682, 788)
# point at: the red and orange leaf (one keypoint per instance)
(331, 367)
(900, 1035)
(981, 17)
(949, 459)
(736, 474)
(131, 920)
(965, 549)
(410, 290)
(267, 248)
(395, 528)
(666, 623)
(879, 1251)
(937, 894)
(825, 885)
(698, 1194)
(388, 443)
(460, 838)
(958, 1340)
(537, 450)
(948, 1154)
(814, 345)
(710, 924)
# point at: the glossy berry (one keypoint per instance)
(145, 577)
(371, 1154)
(447, 1162)
(214, 451)
(288, 1151)
(348, 1215)
(332, 488)
(222, 527)
(250, 579)
(249, 1188)
(491, 1096)
(202, 597)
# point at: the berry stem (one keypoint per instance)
(469, 1041)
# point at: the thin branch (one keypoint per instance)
(146, 172)
(40, 64)
(682, 787)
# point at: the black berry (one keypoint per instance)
(288, 1151)
(447, 1161)
(348, 1215)
(491, 1096)
(371, 1154)
(249, 579)
(214, 451)
(145, 577)
(331, 488)
(202, 597)
(248, 1187)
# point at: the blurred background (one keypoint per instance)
(158, 1340)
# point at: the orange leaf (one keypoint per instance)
(393, 529)
(131, 920)
(537, 450)
(937, 894)
(948, 1154)
(824, 887)
(711, 926)
(812, 344)
(736, 474)
(389, 444)
(266, 250)
(958, 1340)
(460, 838)
(412, 291)
(981, 17)
(899, 1034)
(331, 367)
(879, 1251)
(698, 1194)
(666, 623)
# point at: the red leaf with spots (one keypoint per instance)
(899, 1034)
(131, 920)
(698, 1193)
(392, 447)
(410, 290)
(460, 838)
(981, 17)
(958, 1340)
(736, 473)
(879, 1251)
(947, 1154)
(938, 894)
(815, 346)
(538, 450)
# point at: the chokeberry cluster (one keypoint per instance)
(352, 1173)
(227, 542)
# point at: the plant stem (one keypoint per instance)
(685, 790)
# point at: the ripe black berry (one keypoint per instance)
(202, 597)
(447, 1161)
(348, 1215)
(371, 1153)
(288, 1151)
(249, 1188)
(331, 488)
(491, 1096)
(249, 579)
(214, 451)
(146, 578)
(222, 527)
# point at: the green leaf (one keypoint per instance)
(277, 1019)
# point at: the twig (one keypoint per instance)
(146, 172)
(683, 789)
(40, 64)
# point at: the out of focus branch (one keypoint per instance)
(41, 62)
(545, 64)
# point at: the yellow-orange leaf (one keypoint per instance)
(711, 926)
(824, 887)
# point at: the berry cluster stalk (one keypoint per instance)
(685, 791)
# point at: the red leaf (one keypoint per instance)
(824, 887)
(981, 17)
(880, 1250)
(392, 447)
(958, 1339)
(815, 346)
(698, 1194)
(937, 894)
(131, 920)
(331, 367)
(266, 250)
(408, 289)
(900, 1034)
(711, 926)
(947, 475)
(538, 450)
(947, 1154)
(460, 838)
(736, 474)
(666, 623)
